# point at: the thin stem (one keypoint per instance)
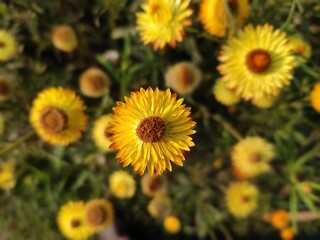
(227, 126)
(225, 232)
(290, 16)
(15, 144)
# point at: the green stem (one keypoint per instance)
(290, 16)
(15, 144)
(225, 232)
(227, 126)
(230, 17)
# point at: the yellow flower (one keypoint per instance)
(98, 214)
(151, 130)
(162, 21)
(160, 206)
(214, 17)
(58, 116)
(257, 63)
(122, 184)
(100, 134)
(280, 218)
(183, 77)
(71, 221)
(64, 38)
(94, 82)
(315, 97)
(241, 198)
(7, 176)
(224, 95)
(287, 233)
(5, 88)
(265, 102)
(241, 175)
(172, 224)
(252, 155)
(153, 185)
(8, 46)
(301, 47)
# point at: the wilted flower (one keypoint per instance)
(160, 206)
(153, 185)
(64, 38)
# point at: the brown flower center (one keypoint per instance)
(258, 60)
(150, 129)
(233, 6)
(54, 120)
(255, 157)
(4, 88)
(300, 48)
(155, 184)
(95, 83)
(107, 134)
(2, 45)
(244, 199)
(187, 77)
(75, 223)
(96, 215)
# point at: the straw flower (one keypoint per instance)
(64, 38)
(172, 224)
(8, 45)
(100, 134)
(7, 176)
(122, 184)
(315, 97)
(153, 185)
(224, 95)
(160, 206)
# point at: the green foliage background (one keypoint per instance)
(49, 176)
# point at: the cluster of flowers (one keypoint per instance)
(77, 220)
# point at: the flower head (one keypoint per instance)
(162, 21)
(265, 102)
(241, 198)
(315, 97)
(160, 206)
(287, 233)
(98, 214)
(224, 95)
(252, 155)
(8, 45)
(153, 185)
(172, 224)
(257, 63)
(5, 88)
(58, 116)
(7, 176)
(100, 134)
(64, 38)
(213, 15)
(71, 221)
(183, 77)
(122, 184)
(280, 218)
(151, 130)
(301, 47)
(94, 83)
(239, 174)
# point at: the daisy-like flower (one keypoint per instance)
(252, 155)
(213, 15)
(71, 221)
(279, 218)
(239, 174)
(8, 45)
(162, 22)
(122, 184)
(315, 97)
(5, 88)
(64, 38)
(224, 95)
(160, 206)
(301, 47)
(98, 214)
(100, 134)
(257, 63)
(7, 176)
(241, 198)
(153, 185)
(172, 224)
(183, 77)
(94, 83)
(57, 114)
(287, 233)
(151, 130)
